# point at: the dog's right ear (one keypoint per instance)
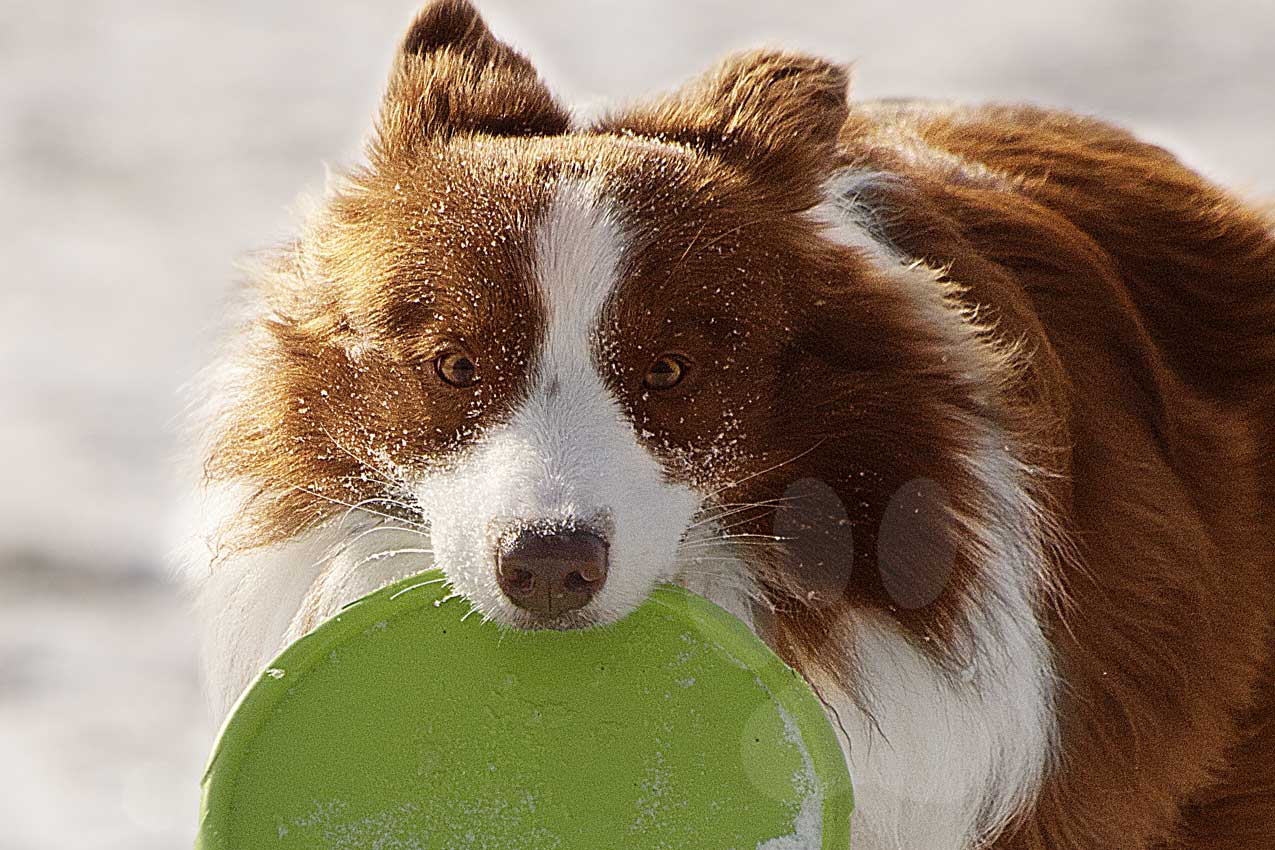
(773, 113)
(452, 76)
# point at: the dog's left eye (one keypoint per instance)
(456, 369)
(665, 373)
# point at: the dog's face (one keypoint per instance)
(591, 360)
(558, 349)
(588, 342)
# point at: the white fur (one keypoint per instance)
(942, 762)
(252, 605)
(242, 605)
(568, 454)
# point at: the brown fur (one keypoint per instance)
(1108, 322)
(1148, 298)
(845, 350)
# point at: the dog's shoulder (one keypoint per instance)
(1144, 298)
(1089, 218)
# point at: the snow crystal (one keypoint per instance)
(807, 831)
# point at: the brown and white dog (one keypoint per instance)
(969, 412)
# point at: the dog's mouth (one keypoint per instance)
(523, 621)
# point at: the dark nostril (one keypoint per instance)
(552, 571)
(522, 580)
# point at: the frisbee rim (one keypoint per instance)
(256, 705)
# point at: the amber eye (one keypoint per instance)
(665, 373)
(456, 369)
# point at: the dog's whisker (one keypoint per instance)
(390, 553)
(751, 535)
(387, 500)
(381, 526)
(354, 507)
(730, 542)
(765, 471)
(341, 547)
(358, 506)
(418, 585)
(737, 524)
(389, 479)
(738, 508)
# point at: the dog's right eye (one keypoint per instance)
(456, 369)
(665, 373)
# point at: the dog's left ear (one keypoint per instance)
(452, 76)
(773, 113)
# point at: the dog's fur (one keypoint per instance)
(977, 428)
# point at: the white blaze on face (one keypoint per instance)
(568, 454)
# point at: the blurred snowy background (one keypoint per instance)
(145, 145)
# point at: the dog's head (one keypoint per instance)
(568, 361)
(590, 359)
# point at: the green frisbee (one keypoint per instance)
(402, 724)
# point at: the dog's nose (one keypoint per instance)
(552, 572)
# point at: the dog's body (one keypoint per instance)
(970, 413)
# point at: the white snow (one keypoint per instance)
(807, 833)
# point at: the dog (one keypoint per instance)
(969, 412)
